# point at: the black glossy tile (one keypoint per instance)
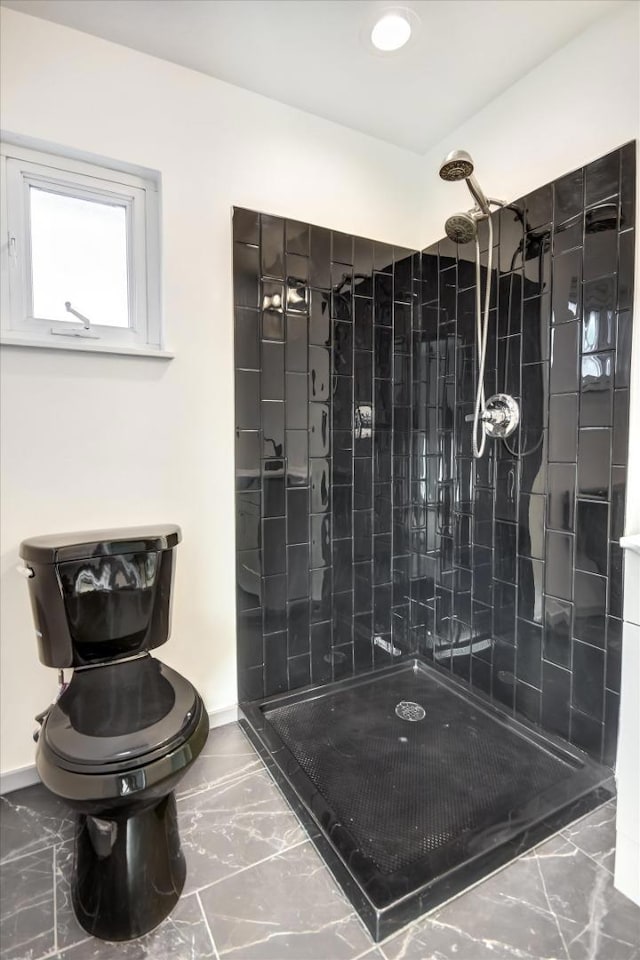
(567, 236)
(320, 540)
(561, 487)
(594, 461)
(556, 698)
(567, 287)
(320, 582)
(246, 276)
(247, 400)
(321, 671)
(363, 323)
(343, 348)
(536, 319)
(341, 247)
(296, 350)
(274, 603)
(558, 625)
(272, 379)
(298, 641)
(616, 580)
(626, 269)
(602, 178)
(297, 515)
(592, 528)
(272, 246)
(276, 676)
(274, 541)
(246, 226)
(272, 416)
(503, 672)
(614, 654)
(319, 373)
(342, 403)
(297, 237)
(320, 470)
(589, 622)
(568, 196)
(273, 492)
(563, 377)
(248, 459)
(320, 258)
(586, 733)
(620, 439)
(588, 680)
(249, 638)
(342, 507)
(559, 565)
(320, 318)
(299, 671)
(319, 430)
(596, 389)
(600, 253)
(247, 338)
(623, 352)
(627, 185)
(298, 571)
(538, 207)
(296, 393)
(505, 551)
(382, 352)
(530, 588)
(599, 315)
(297, 458)
(529, 653)
(563, 428)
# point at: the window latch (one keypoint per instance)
(85, 332)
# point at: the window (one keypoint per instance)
(80, 255)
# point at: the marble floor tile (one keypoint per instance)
(32, 818)
(182, 936)
(228, 827)
(27, 916)
(287, 908)
(555, 903)
(226, 756)
(595, 835)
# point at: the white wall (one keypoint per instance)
(106, 441)
(576, 106)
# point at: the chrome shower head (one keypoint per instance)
(457, 165)
(462, 227)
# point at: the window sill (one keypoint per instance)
(82, 346)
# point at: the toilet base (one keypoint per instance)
(129, 870)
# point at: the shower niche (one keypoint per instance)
(380, 564)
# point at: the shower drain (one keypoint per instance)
(408, 710)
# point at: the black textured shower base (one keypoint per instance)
(413, 788)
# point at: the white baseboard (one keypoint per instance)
(27, 776)
(627, 868)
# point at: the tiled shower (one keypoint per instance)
(354, 550)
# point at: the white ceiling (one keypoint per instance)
(314, 54)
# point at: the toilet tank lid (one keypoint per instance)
(60, 547)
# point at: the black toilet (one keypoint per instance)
(125, 729)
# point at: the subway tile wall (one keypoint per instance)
(323, 326)
(354, 550)
(523, 570)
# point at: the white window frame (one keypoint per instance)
(23, 167)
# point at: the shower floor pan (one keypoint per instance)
(413, 788)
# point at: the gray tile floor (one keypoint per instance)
(258, 890)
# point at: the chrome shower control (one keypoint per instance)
(501, 416)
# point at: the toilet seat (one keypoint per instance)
(120, 713)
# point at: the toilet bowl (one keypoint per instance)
(126, 727)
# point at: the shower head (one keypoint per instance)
(462, 227)
(458, 165)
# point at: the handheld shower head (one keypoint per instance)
(458, 165)
(462, 227)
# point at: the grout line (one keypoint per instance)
(207, 925)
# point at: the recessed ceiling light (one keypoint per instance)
(391, 32)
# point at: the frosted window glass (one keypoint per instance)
(78, 253)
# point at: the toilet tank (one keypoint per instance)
(100, 595)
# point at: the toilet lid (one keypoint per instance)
(120, 711)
